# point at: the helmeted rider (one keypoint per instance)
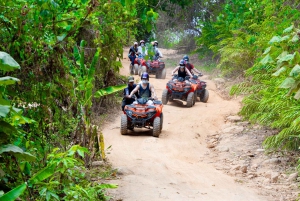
(190, 66)
(132, 52)
(142, 49)
(157, 53)
(145, 89)
(126, 99)
(182, 71)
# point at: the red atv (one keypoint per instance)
(154, 67)
(182, 89)
(143, 115)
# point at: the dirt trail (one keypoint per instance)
(173, 166)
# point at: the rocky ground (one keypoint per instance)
(237, 151)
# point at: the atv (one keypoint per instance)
(140, 114)
(201, 90)
(180, 88)
(155, 67)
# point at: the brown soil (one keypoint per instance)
(200, 154)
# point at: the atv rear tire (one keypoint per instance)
(156, 127)
(123, 128)
(163, 74)
(136, 69)
(131, 69)
(165, 97)
(204, 96)
(142, 69)
(190, 99)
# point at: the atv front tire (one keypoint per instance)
(190, 99)
(161, 121)
(163, 74)
(204, 96)
(156, 127)
(142, 69)
(123, 128)
(165, 97)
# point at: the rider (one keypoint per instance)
(126, 99)
(142, 49)
(157, 53)
(145, 89)
(190, 66)
(132, 52)
(182, 70)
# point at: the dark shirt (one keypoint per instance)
(133, 50)
(129, 89)
(145, 93)
(182, 74)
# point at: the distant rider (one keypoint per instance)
(126, 99)
(182, 71)
(142, 49)
(190, 66)
(132, 52)
(145, 89)
(157, 53)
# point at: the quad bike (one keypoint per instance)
(201, 90)
(178, 88)
(155, 67)
(142, 115)
(138, 62)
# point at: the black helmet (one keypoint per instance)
(181, 62)
(185, 58)
(145, 75)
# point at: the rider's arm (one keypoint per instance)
(187, 70)
(195, 69)
(176, 69)
(134, 90)
(153, 94)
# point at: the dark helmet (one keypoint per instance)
(145, 75)
(155, 43)
(181, 62)
(185, 58)
(142, 41)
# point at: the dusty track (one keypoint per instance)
(173, 167)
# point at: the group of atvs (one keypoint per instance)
(143, 115)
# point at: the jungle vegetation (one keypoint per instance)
(59, 63)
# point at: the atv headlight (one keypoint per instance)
(150, 114)
(129, 113)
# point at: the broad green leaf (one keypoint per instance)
(109, 90)
(105, 186)
(277, 73)
(4, 110)
(297, 95)
(267, 50)
(295, 38)
(93, 65)
(287, 83)
(7, 128)
(267, 59)
(61, 37)
(285, 38)
(14, 193)
(7, 63)
(295, 71)
(8, 80)
(275, 39)
(17, 152)
(283, 54)
(42, 174)
(289, 29)
(288, 57)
